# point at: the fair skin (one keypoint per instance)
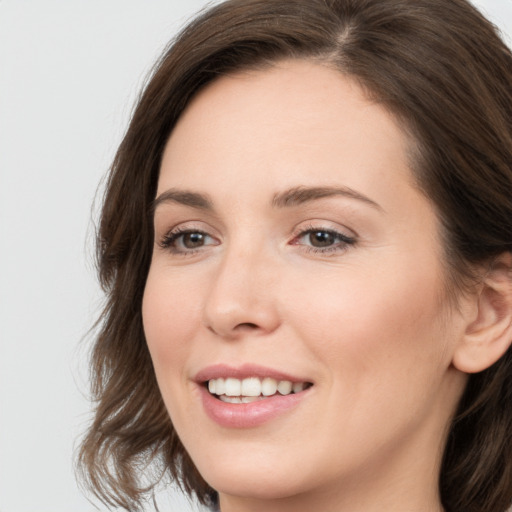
(342, 289)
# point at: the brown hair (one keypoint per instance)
(441, 68)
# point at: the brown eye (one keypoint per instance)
(193, 240)
(324, 240)
(321, 238)
(187, 241)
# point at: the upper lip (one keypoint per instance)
(242, 372)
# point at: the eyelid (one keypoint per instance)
(192, 225)
(176, 233)
(170, 236)
(323, 225)
(345, 240)
(343, 237)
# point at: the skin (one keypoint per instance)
(368, 322)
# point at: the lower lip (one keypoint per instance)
(248, 415)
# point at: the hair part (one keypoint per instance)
(442, 70)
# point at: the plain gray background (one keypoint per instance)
(69, 73)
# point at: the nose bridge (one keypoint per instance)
(242, 296)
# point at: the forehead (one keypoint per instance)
(295, 123)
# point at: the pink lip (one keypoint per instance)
(248, 415)
(252, 414)
(241, 372)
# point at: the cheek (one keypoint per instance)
(381, 342)
(170, 312)
(171, 319)
(378, 323)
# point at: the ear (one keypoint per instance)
(488, 334)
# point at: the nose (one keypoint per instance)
(242, 299)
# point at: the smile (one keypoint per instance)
(250, 395)
(251, 389)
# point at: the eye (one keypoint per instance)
(323, 240)
(186, 241)
(192, 240)
(320, 238)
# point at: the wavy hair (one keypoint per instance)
(443, 70)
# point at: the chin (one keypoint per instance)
(249, 470)
(258, 485)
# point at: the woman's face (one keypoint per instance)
(292, 248)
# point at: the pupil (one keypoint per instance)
(192, 240)
(321, 239)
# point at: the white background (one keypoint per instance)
(69, 73)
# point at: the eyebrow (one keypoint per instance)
(300, 195)
(287, 199)
(184, 197)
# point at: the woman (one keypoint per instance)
(306, 247)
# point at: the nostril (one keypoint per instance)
(246, 326)
(239, 330)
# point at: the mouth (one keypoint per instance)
(250, 395)
(252, 389)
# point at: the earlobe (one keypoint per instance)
(489, 335)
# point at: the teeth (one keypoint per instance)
(284, 387)
(252, 388)
(240, 399)
(298, 387)
(220, 386)
(268, 386)
(233, 387)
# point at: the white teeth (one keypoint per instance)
(268, 386)
(233, 387)
(240, 399)
(249, 399)
(284, 387)
(220, 386)
(251, 388)
(231, 399)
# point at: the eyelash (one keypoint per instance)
(342, 244)
(168, 241)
